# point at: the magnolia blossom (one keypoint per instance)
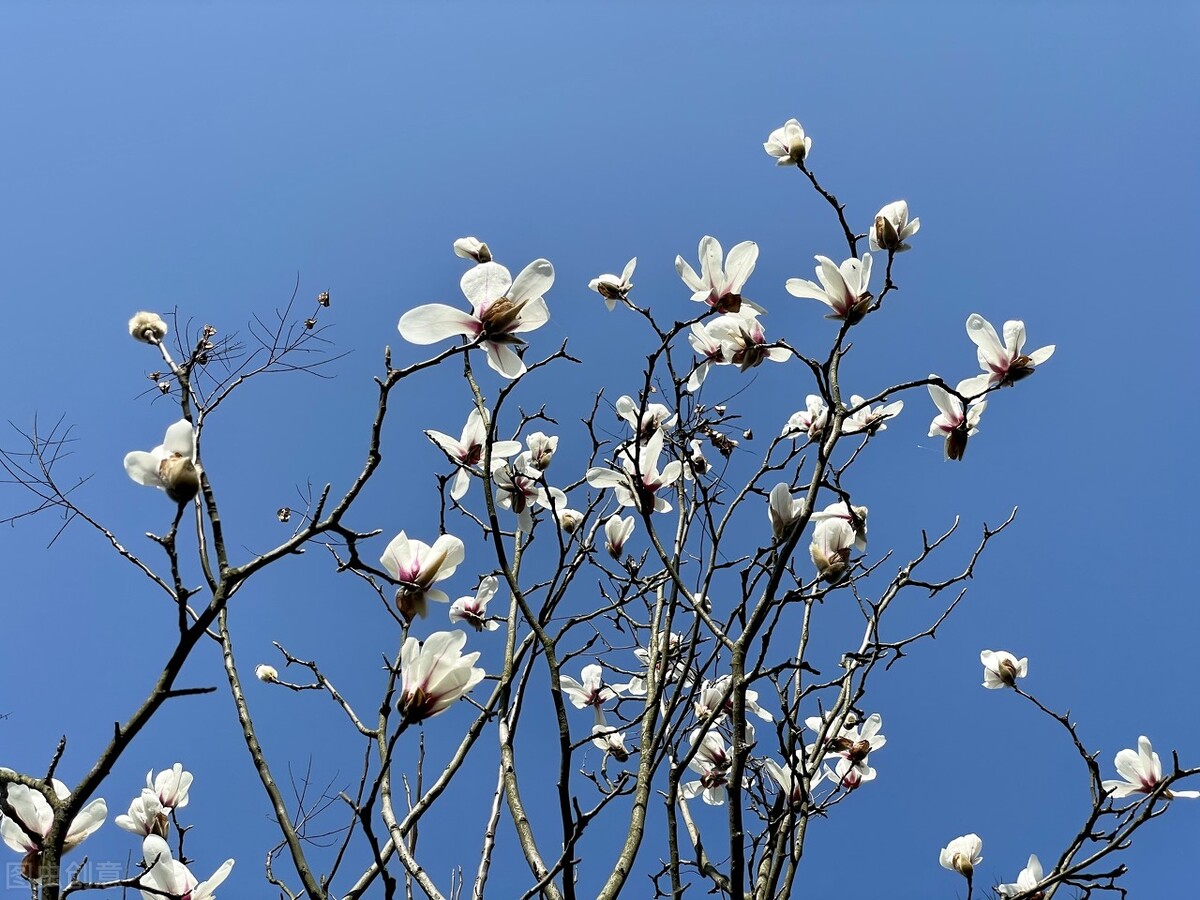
(569, 520)
(1002, 669)
(146, 815)
(435, 674)
(612, 287)
(852, 742)
(854, 516)
(712, 763)
(953, 422)
(712, 351)
(830, 549)
(500, 310)
(788, 144)
(866, 420)
(541, 450)
(170, 786)
(473, 249)
(467, 450)
(892, 228)
(266, 673)
(644, 422)
(809, 421)
(848, 774)
(616, 533)
(35, 812)
(962, 854)
(168, 466)
(669, 647)
(1003, 362)
(783, 509)
(720, 281)
(167, 877)
(1027, 880)
(790, 781)
(743, 341)
(716, 697)
(639, 478)
(473, 610)
(147, 327)
(591, 691)
(417, 566)
(843, 288)
(518, 489)
(1142, 771)
(609, 739)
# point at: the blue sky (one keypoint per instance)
(204, 157)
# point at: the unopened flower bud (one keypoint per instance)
(164, 387)
(570, 520)
(472, 248)
(323, 298)
(267, 674)
(147, 327)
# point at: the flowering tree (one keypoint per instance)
(657, 610)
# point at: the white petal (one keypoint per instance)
(484, 283)
(435, 322)
(142, 467)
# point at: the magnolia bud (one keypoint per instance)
(179, 477)
(147, 327)
(267, 674)
(570, 520)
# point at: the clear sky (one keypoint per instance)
(205, 156)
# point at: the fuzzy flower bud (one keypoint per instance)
(472, 248)
(147, 327)
(267, 674)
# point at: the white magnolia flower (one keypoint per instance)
(436, 674)
(1027, 880)
(467, 451)
(830, 549)
(591, 691)
(266, 673)
(712, 699)
(612, 287)
(695, 464)
(848, 774)
(712, 353)
(1142, 771)
(170, 786)
(569, 520)
(712, 763)
(1003, 362)
(542, 448)
(843, 288)
(167, 877)
(892, 228)
(788, 144)
(852, 743)
(668, 661)
(1002, 669)
(168, 466)
(783, 509)
(418, 566)
(147, 327)
(644, 422)
(519, 490)
(962, 854)
(866, 420)
(743, 341)
(616, 533)
(639, 479)
(609, 739)
(721, 280)
(953, 422)
(35, 813)
(855, 517)
(500, 310)
(473, 249)
(473, 610)
(809, 421)
(146, 815)
(790, 781)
